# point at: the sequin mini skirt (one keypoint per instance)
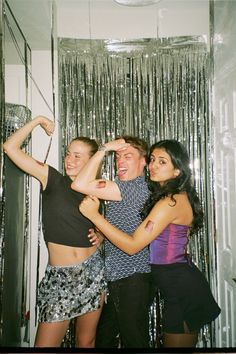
(66, 292)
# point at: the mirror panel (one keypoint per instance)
(15, 196)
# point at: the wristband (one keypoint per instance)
(102, 147)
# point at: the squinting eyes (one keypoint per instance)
(75, 156)
(125, 157)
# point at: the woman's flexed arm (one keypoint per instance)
(25, 162)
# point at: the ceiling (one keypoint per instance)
(35, 16)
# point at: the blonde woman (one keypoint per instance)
(73, 285)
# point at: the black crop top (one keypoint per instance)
(62, 221)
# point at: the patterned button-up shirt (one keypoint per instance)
(125, 215)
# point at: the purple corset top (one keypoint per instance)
(170, 246)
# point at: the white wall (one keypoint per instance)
(42, 74)
(224, 110)
(106, 19)
(15, 84)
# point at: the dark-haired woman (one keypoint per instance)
(172, 213)
(73, 285)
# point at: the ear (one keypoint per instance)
(144, 162)
(176, 172)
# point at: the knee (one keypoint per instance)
(85, 342)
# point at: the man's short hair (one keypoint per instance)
(137, 143)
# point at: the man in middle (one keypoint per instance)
(126, 313)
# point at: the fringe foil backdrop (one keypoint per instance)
(151, 88)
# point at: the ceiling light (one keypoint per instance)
(136, 2)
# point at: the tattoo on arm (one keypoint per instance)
(40, 163)
(101, 184)
(149, 226)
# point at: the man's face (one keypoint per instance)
(129, 164)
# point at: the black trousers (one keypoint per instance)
(126, 313)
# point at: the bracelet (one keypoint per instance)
(102, 147)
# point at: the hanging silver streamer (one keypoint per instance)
(154, 89)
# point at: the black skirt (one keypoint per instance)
(187, 297)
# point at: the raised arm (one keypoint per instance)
(86, 181)
(162, 214)
(12, 147)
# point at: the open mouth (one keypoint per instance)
(121, 171)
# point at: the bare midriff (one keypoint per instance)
(61, 255)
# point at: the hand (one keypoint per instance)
(116, 145)
(95, 237)
(47, 124)
(89, 207)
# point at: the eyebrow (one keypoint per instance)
(126, 153)
(160, 157)
(73, 152)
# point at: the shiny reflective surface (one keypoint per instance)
(152, 88)
(224, 121)
(14, 251)
(136, 2)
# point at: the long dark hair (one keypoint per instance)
(182, 183)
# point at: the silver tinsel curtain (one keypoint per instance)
(151, 88)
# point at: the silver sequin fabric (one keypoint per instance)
(66, 292)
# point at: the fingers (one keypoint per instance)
(88, 204)
(48, 125)
(93, 238)
(50, 129)
(116, 145)
(123, 146)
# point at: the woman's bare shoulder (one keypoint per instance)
(174, 200)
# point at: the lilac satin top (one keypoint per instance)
(170, 246)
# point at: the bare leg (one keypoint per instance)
(50, 334)
(86, 326)
(184, 340)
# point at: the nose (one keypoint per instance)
(69, 159)
(151, 166)
(119, 159)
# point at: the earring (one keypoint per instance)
(176, 173)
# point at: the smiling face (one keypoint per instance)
(161, 168)
(78, 154)
(130, 164)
